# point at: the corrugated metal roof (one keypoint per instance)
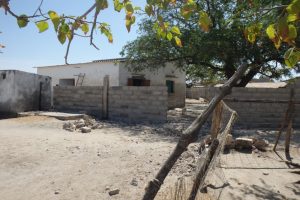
(111, 60)
(262, 85)
(95, 61)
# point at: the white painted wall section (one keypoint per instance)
(94, 73)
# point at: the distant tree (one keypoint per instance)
(217, 54)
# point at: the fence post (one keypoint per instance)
(216, 120)
(105, 97)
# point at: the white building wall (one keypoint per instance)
(157, 77)
(94, 73)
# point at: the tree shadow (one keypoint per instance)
(263, 191)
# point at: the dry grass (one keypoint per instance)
(180, 191)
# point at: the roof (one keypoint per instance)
(262, 85)
(111, 60)
(95, 61)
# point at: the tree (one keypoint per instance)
(213, 55)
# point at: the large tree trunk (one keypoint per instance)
(191, 134)
(248, 77)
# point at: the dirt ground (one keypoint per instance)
(40, 160)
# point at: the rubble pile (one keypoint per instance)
(244, 143)
(84, 125)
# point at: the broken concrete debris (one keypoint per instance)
(134, 182)
(69, 126)
(243, 143)
(260, 144)
(85, 129)
(84, 125)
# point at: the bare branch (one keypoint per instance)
(72, 30)
(93, 28)
(39, 8)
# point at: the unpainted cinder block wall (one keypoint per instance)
(256, 107)
(125, 103)
(138, 104)
(83, 99)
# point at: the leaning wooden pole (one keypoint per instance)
(288, 116)
(203, 168)
(191, 134)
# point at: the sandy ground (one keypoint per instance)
(40, 160)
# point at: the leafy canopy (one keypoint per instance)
(282, 30)
(217, 54)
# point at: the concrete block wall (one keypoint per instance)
(125, 103)
(256, 107)
(138, 104)
(84, 99)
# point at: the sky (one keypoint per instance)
(26, 48)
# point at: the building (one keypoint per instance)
(92, 74)
(22, 91)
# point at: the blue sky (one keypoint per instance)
(26, 48)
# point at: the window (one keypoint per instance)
(67, 82)
(170, 85)
(3, 76)
(138, 82)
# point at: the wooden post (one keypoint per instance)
(201, 174)
(288, 136)
(105, 97)
(289, 115)
(216, 120)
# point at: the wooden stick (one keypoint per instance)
(288, 136)
(201, 174)
(216, 120)
(287, 117)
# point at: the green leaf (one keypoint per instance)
(61, 37)
(106, 31)
(283, 29)
(22, 21)
(118, 6)
(64, 28)
(42, 26)
(204, 21)
(188, 9)
(294, 7)
(292, 32)
(149, 10)
(101, 4)
(169, 36)
(55, 19)
(175, 30)
(178, 41)
(129, 8)
(271, 31)
(293, 17)
(129, 21)
(85, 28)
(291, 57)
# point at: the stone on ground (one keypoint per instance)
(243, 143)
(114, 191)
(85, 129)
